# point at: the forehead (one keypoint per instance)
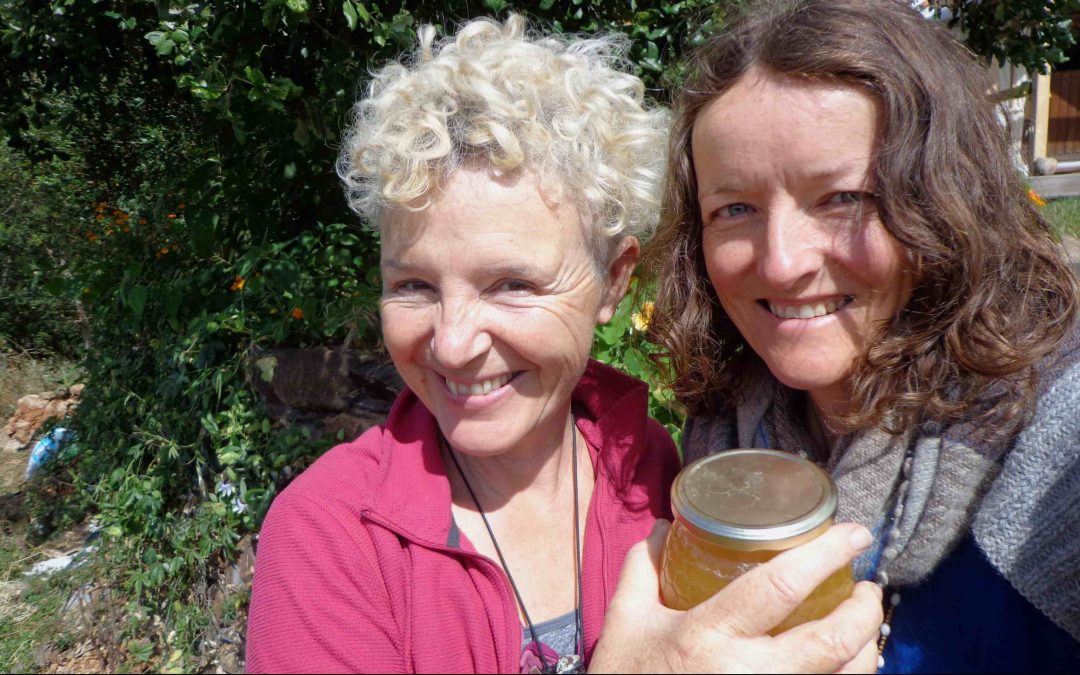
(791, 123)
(483, 218)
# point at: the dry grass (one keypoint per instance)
(22, 373)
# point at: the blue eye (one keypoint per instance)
(513, 286)
(412, 286)
(848, 198)
(735, 210)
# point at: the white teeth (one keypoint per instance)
(803, 311)
(479, 388)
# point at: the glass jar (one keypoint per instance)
(737, 509)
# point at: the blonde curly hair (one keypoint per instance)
(564, 108)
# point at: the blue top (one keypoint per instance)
(966, 618)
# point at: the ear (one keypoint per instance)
(617, 279)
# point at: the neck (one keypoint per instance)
(824, 409)
(543, 471)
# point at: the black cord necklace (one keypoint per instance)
(571, 663)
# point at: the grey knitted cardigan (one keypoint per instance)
(923, 492)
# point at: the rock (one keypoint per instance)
(34, 410)
(1045, 166)
(330, 391)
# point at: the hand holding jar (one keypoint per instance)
(738, 509)
(730, 632)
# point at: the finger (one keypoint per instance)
(839, 640)
(865, 662)
(760, 599)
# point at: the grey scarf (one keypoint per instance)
(922, 492)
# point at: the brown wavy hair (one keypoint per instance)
(993, 295)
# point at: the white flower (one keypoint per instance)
(238, 506)
(226, 489)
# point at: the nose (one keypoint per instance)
(792, 249)
(459, 336)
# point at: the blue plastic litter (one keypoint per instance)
(44, 449)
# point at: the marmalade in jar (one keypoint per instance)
(735, 510)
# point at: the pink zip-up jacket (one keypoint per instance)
(354, 573)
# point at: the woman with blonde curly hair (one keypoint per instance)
(484, 527)
(851, 269)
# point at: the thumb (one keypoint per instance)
(639, 581)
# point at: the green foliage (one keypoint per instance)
(34, 251)
(621, 342)
(1029, 33)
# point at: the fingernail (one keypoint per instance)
(861, 538)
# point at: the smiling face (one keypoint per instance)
(792, 238)
(490, 298)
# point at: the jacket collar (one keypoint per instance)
(412, 492)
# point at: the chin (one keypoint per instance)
(805, 375)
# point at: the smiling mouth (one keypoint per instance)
(479, 388)
(808, 311)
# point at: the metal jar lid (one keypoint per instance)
(754, 499)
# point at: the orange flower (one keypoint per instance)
(1034, 197)
(180, 206)
(164, 250)
(127, 228)
(92, 236)
(297, 313)
(171, 216)
(237, 284)
(142, 221)
(99, 217)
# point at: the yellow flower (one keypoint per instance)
(297, 313)
(1034, 197)
(641, 319)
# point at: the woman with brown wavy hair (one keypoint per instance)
(850, 269)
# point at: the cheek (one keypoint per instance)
(881, 264)
(726, 263)
(402, 329)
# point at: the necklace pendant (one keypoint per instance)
(570, 663)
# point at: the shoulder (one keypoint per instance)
(1027, 524)
(341, 473)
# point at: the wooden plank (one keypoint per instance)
(1064, 123)
(1059, 185)
(1040, 103)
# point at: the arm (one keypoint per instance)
(319, 602)
(728, 632)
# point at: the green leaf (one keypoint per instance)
(290, 171)
(350, 14)
(298, 6)
(266, 366)
(136, 299)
